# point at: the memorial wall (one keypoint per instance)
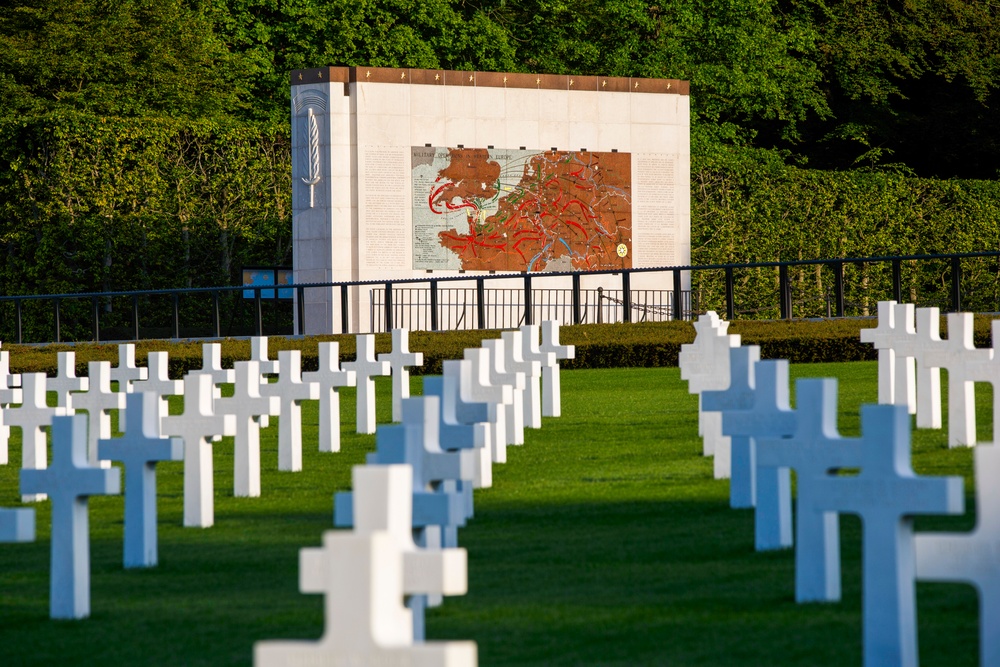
(403, 173)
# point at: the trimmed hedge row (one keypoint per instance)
(597, 346)
(650, 344)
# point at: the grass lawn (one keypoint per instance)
(604, 541)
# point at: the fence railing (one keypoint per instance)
(803, 288)
(457, 308)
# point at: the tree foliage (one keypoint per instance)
(145, 142)
(115, 57)
(96, 204)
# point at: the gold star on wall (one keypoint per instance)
(402, 75)
(604, 84)
(472, 77)
(320, 74)
(538, 82)
(668, 85)
(368, 74)
(437, 77)
(300, 76)
(571, 82)
(505, 79)
(636, 84)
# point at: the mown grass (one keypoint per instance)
(604, 541)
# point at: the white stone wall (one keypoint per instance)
(355, 223)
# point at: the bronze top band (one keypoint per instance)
(433, 77)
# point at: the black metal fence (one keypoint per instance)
(805, 288)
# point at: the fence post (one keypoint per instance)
(481, 303)
(678, 296)
(95, 303)
(956, 284)
(58, 332)
(388, 306)
(17, 307)
(897, 281)
(730, 295)
(434, 305)
(345, 319)
(626, 296)
(258, 312)
(576, 298)
(300, 303)
(177, 315)
(784, 294)
(135, 317)
(216, 319)
(838, 287)
(527, 299)
(600, 301)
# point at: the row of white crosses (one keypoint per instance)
(705, 365)
(886, 494)
(365, 573)
(206, 417)
(911, 355)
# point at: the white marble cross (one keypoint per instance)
(198, 424)
(126, 372)
(8, 380)
(158, 381)
(248, 404)
(814, 450)
(399, 359)
(886, 494)
(984, 371)
(904, 383)
(917, 344)
(883, 338)
(10, 393)
(291, 391)
(465, 421)
(365, 368)
(329, 377)
(69, 481)
(551, 390)
(17, 524)
(756, 405)
(66, 380)
(258, 353)
(32, 416)
(499, 398)
(974, 557)
(738, 395)
(532, 354)
(364, 574)
(960, 357)
(140, 448)
(420, 431)
(98, 402)
(501, 375)
(377, 507)
(705, 365)
(211, 364)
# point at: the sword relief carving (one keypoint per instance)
(314, 169)
(310, 106)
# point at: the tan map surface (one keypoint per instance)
(528, 210)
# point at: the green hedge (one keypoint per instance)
(597, 346)
(90, 203)
(750, 206)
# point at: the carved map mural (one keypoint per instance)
(482, 209)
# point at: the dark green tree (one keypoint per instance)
(116, 58)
